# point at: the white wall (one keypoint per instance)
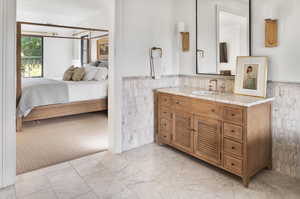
(145, 24)
(58, 55)
(185, 11)
(284, 59)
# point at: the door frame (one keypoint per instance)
(8, 88)
(7, 92)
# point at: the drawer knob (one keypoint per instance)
(232, 131)
(213, 110)
(177, 102)
(232, 164)
(165, 112)
(233, 148)
(232, 114)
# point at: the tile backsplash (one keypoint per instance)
(138, 114)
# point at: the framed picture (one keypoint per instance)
(103, 48)
(252, 76)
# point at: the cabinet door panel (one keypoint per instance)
(183, 135)
(208, 139)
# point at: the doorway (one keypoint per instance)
(7, 93)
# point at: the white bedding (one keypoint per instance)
(87, 90)
(41, 92)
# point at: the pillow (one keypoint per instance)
(90, 73)
(69, 73)
(101, 74)
(78, 74)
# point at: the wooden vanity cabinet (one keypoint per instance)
(234, 138)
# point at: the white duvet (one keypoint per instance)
(42, 92)
(87, 90)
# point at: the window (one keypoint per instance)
(32, 56)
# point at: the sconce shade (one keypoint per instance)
(185, 41)
(271, 39)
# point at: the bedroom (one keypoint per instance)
(62, 81)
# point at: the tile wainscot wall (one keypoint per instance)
(138, 115)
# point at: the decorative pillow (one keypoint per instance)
(90, 73)
(69, 73)
(102, 74)
(78, 74)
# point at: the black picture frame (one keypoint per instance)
(250, 36)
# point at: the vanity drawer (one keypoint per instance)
(165, 113)
(182, 103)
(233, 131)
(207, 109)
(233, 164)
(233, 115)
(164, 137)
(165, 100)
(233, 147)
(165, 125)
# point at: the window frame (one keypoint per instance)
(42, 57)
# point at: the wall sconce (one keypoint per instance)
(271, 31)
(185, 36)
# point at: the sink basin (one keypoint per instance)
(204, 93)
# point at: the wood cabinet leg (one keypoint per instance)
(157, 141)
(246, 181)
(19, 124)
(270, 166)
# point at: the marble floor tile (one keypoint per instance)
(88, 167)
(31, 185)
(105, 184)
(152, 171)
(44, 194)
(89, 195)
(67, 183)
(8, 193)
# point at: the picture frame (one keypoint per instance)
(252, 76)
(103, 48)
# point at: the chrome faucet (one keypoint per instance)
(211, 86)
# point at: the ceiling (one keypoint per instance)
(63, 12)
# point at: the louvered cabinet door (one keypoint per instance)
(183, 135)
(208, 139)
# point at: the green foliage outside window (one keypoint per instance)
(32, 56)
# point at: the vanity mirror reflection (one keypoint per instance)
(223, 34)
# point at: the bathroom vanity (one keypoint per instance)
(229, 131)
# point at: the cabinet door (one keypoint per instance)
(208, 139)
(183, 135)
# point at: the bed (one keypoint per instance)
(48, 98)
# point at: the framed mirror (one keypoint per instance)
(223, 34)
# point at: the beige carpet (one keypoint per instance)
(53, 141)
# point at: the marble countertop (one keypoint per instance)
(226, 98)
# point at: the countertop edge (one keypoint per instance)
(247, 105)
